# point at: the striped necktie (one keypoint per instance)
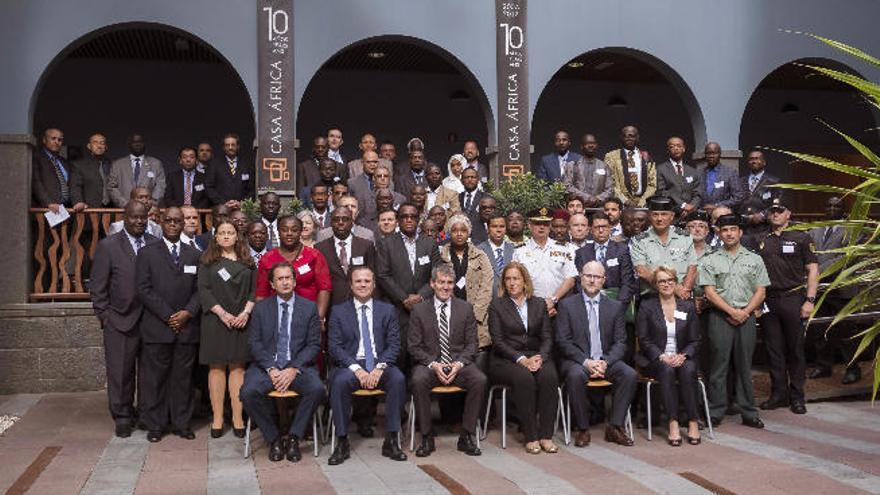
(444, 335)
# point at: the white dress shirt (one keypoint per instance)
(336, 246)
(361, 352)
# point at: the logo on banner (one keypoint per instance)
(277, 169)
(510, 9)
(278, 25)
(511, 170)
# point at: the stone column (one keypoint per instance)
(15, 196)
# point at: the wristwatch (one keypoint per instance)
(811, 299)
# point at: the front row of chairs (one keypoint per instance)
(563, 414)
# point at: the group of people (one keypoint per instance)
(397, 279)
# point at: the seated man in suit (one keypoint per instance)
(364, 344)
(613, 255)
(497, 248)
(284, 337)
(678, 180)
(186, 186)
(166, 284)
(443, 344)
(591, 341)
(553, 167)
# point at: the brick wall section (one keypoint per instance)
(54, 347)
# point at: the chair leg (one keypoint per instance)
(332, 432)
(648, 407)
(316, 439)
(568, 421)
(629, 425)
(412, 423)
(504, 418)
(321, 431)
(478, 433)
(247, 438)
(485, 430)
(706, 405)
(560, 417)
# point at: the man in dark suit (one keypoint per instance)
(285, 337)
(613, 255)
(308, 171)
(363, 187)
(364, 343)
(166, 284)
(204, 157)
(412, 176)
(50, 175)
(553, 166)
(403, 266)
(334, 147)
(231, 180)
(186, 186)
(591, 341)
(344, 252)
(678, 180)
(497, 248)
(469, 199)
(442, 342)
(721, 184)
(480, 224)
(471, 152)
(119, 310)
(320, 205)
(756, 194)
(88, 178)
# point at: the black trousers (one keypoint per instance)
(121, 358)
(534, 395)
(166, 385)
(838, 340)
(675, 381)
(624, 381)
(784, 338)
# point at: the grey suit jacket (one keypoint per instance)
(121, 180)
(681, 189)
(423, 335)
(356, 167)
(573, 334)
(395, 275)
(113, 290)
(589, 178)
(726, 187)
(506, 255)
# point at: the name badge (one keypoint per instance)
(245, 176)
(589, 241)
(688, 179)
(766, 195)
(719, 184)
(304, 269)
(611, 262)
(680, 315)
(601, 171)
(357, 260)
(190, 269)
(483, 180)
(224, 274)
(151, 174)
(787, 249)
(424, 260)
(199, 187)
(632, 169)
(460, 283)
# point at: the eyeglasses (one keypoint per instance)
(408, 216)
(590, 276)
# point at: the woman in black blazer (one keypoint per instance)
(669, 336)
(521, 356)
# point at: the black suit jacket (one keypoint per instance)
(87, 182)
(473, 211)
(651, 329)
(573, 334)
(305, 333)
(112, 286)
(510, 339)
(393, 271)
(620, 275)
(423, 338)
(174, 190)
(223, 186)
(404, 183)
(165, 288)
(761, 198)
(45, 188)
(676, 187)
(360, 248)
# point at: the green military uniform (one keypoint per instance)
(678, 252)
(735, 279)
(703, 353)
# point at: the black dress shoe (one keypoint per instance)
(276, 450)
(123, 430)
(186, 434)
(216, 432)
(798, 407)
(819, 373)
(426, 447)
(716, 422)
(365, 430)
(753, 423)
(293, 454)
(773, 403)
(391, 449)
(467, 445)
(340, 453)
(239, 432)
(154, 435)
(851, 376)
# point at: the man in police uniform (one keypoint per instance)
(663, 244)
(550, 263)
(735, 281)
(790, 257)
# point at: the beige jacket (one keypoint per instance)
(478, 283)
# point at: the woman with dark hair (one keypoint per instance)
(226, 291)
(669, 337)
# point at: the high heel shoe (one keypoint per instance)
(216, 432)
(693, 440)
(239, 432)
(674, 442)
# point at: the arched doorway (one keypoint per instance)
(782, 113)
(152, 78)
(396, 87)
(601, 91)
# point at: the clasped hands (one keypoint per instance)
(596, 368)
(369, 380)
(178, 320)
(673, 360)
(533, 363)
(738, 316)
(281, 379)
(446, 378)
(232, 321)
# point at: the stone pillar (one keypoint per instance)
(15, 196)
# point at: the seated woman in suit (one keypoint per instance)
(521, 344)
(669, 336)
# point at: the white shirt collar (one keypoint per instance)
(289, 303)
(132, 157)
(169, 244)
(368, 304)
(438, 303)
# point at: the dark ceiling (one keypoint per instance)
(396, 56)
(146, 44)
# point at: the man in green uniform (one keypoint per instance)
(663, 244)
(734, 280)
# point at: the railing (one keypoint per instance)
(63, 254)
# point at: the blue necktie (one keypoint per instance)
(600, 254)
(174, 254)
(138, 244)
(283, 347)
(499, 259)
(368, 341)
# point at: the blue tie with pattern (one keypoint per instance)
(282, 348)
(174, 254)
(499, 259)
